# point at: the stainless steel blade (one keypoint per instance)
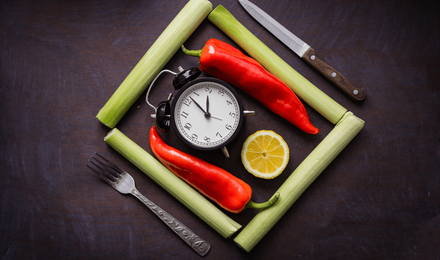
(284, 35)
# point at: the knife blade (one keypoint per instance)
(304, 51)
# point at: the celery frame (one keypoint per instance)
(347, 127)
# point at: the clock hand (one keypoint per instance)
(207, 110)
(199, 106)
(207, 114)
(216, 117)
(207, 104)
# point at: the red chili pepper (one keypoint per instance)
(225, 189)
(227, 63)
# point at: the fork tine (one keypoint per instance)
(91, 168)
(103, 167)
(107, 178)
(103, 172)
(110, 164)
(107, 166)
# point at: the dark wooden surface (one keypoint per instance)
(61, 60)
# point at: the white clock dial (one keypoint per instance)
(207, 114)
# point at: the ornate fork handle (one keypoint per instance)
(192, 239)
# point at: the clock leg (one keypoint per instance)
(225, 151)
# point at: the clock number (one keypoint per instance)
(208, 90)
(219, 135)
(187, 102)
(232, 114)
(228, 102)
(207, 139)
(184, 114)
(229, 127)
(194, 137)
(188, 126)
(221, 92)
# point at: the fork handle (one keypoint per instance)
(190, 237)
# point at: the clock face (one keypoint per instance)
(207, 114)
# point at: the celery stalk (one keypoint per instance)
(308, 92)
(188, 196)
(163, 49)
(344, 131)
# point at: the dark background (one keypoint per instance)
(61, 61)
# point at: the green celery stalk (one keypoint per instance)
(344, 131)
(308, 92)
(188, 196)
(163, 49)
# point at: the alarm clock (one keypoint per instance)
(206, 113)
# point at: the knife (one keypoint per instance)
(303, 50)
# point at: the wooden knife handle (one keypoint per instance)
(357, 94)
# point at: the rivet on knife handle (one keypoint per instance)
(334, 76)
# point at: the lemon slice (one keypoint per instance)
(265, 154)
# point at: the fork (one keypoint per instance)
(121, 181)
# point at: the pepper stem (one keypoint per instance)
(197, 53)
(263, 205)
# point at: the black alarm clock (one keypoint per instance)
(206, 113)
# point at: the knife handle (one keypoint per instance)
(334, 76)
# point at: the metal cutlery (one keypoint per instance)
(121, 181)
